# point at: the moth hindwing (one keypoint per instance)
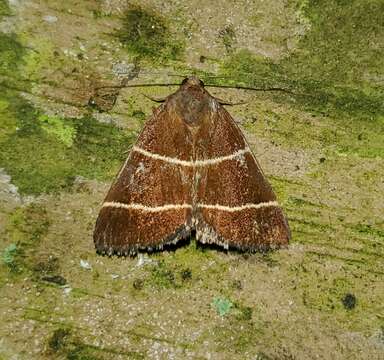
(191, 169)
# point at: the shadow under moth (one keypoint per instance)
(191, 170)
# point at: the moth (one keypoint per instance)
(191, 170)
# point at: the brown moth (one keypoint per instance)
(190, 170)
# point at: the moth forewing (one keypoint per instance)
(191, 168)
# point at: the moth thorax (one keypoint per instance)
(193, 109)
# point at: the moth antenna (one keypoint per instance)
(224, 102)
(155, 98)
(277, 89)
(135, 85)
(217, 77)
(251, 88)
(240, 87)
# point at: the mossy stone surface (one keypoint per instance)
(318, 137)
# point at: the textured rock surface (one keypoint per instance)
(65, 131)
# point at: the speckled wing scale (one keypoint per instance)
(149, 204)
(191, 169)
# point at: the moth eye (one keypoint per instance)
(201, 83)
(184, 81)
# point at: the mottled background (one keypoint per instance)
(321, 144)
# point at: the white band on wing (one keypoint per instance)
(147, 208)
(238, 208)
(168, 207)
(195, 163)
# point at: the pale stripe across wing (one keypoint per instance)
(238, 208)
(147, 208)
(192, 163)
(168, 207)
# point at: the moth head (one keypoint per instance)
(192, 81)
(191, 102)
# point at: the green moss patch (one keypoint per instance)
(65, 342)
(8, 122)
(41, 58)
(162, 276)
(181, 269)
(245, 68)
(335, 70)
(9, 256)
(147, 35)
(228, 37)
(11, 52)
(58, 127)
(237, 336)
(4, 8)
(369, 230)
(45, 154)
(58, 339)
(319, 96)
(25, 229)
